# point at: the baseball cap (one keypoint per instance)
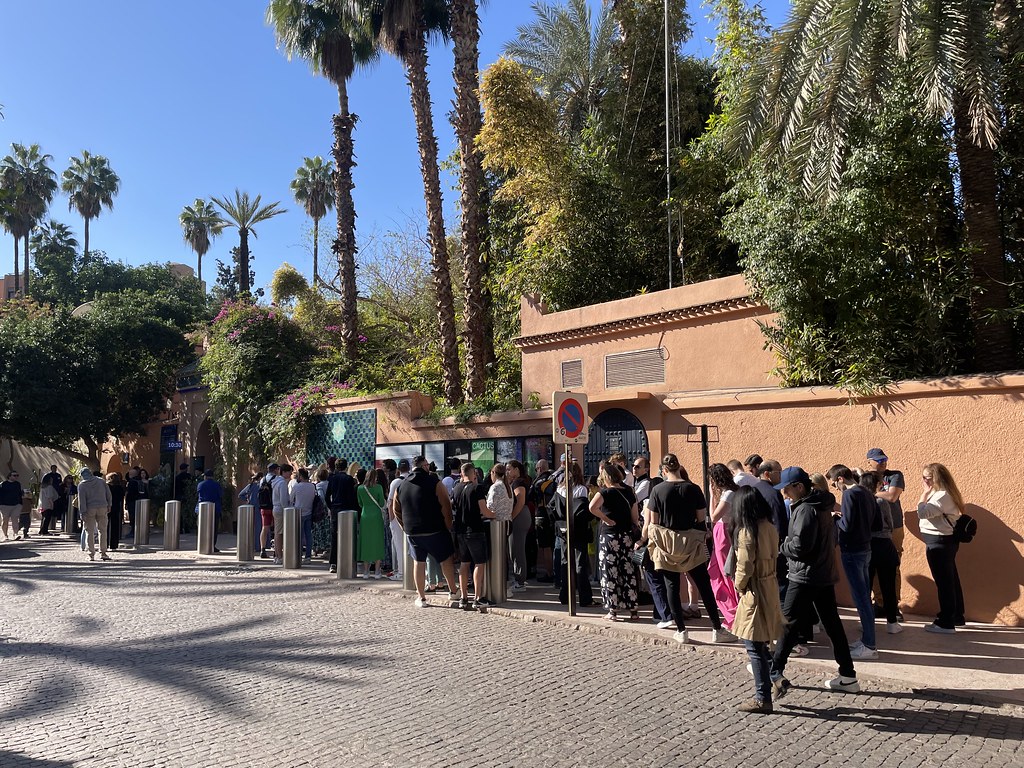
(403, 465)
(792, 475)
(877, 454)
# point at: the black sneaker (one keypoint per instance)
(483, 601)
(264, 555)
(465, 605)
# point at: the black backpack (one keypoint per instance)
(965, 528)
(266, 494)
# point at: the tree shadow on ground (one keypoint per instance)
(213, 663)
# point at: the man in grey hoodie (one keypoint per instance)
(94, 506)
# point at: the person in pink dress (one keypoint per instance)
(722, 488)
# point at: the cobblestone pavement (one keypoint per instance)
(158, 660)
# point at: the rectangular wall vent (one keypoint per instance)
(628, 369)
(572, 374)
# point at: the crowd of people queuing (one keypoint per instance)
(758, 553)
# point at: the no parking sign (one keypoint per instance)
(570, 422)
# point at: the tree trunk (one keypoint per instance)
(468, 122)
(344, 245)
(25, 278)
(243, 262)
(199, 267)
(416, 74)
(316, 246)
(93, 457)
(85, 251)
(17, 266)
(994, 342)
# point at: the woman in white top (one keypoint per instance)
(938, 508)
(499, 495)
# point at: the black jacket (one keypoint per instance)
(810, 545)
(581, 533)
(341, 492)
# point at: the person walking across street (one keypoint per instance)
(810, 553)
(94, 505)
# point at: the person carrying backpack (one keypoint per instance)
(265, 499)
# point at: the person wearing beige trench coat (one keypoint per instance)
(759, 618)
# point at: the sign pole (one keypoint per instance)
(570, 553)
(705, 458)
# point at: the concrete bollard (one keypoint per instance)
(172, 525)
(141, 523)
(207, 520)
(290, 546)
(246, 533)
(497, 568)
(346, 538)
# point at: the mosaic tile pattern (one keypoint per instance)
(351, 435)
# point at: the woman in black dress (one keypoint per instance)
(615, 506)
(115, 518)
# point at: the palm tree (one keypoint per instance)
(402, 27)
(200, 223)
(31, 184)
(90, 183)
(833, 58)
(313, 187)
(570, 55)
(467, 120)
(335, 37)
(243, 214)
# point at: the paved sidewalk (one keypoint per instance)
(166, 659)
(983, 662)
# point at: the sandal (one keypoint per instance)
(610, 616)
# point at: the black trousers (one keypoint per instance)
(800, 598)
(941, 553)
(885, 562)
(673, 589)
(44, 527)
(581, 561)
(114, 529)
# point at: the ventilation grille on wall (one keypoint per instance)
(572, 374)
(628, 369)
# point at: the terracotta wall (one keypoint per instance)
(972, 425)
(707, 333)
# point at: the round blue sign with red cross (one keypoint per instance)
(571, 418)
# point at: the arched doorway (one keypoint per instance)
(614, 431)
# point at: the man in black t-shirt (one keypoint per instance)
(424, 510)
(469, 510)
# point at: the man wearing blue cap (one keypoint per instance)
(809, 548)
(891, 485)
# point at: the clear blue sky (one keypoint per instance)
(191, 99)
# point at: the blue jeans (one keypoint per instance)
(858, 573)
(761, 664)
(307, 534)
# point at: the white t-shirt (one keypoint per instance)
(744, 479)
(499, 502)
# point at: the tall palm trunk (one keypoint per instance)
(468, 122)
(344, 245)
(85, 251)
(243, 262)
(316, 244)
(26, 276)
(17, 262)
(416, 74)
(994, 344)
(199, 267)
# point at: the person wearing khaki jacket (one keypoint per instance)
(759, 617)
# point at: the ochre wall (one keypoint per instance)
(972, 425)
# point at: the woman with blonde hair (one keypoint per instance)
(938, 508)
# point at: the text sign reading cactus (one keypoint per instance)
(570, 423)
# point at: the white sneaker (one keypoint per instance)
(516, 587)
(894, 628)
(397, 577)
(666, 624)
(422, 602)
(844, 684)
(750, 669)
(863, 652)
(723, 635)
(681, 636)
